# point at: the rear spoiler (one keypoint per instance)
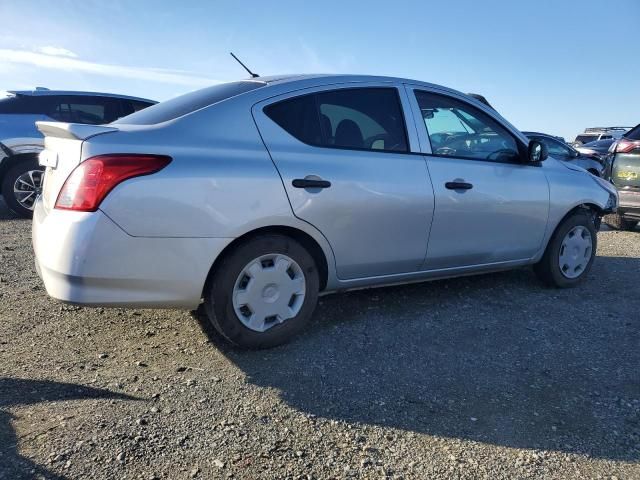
(77, 131)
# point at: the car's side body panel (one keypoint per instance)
(170, 227)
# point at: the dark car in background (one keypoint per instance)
(625, 175)
(559, 150)
(598, 149)
(21, 142)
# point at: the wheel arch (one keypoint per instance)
(305, 239)
(12, 160)
(590, 208)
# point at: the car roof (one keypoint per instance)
(42, 92)
(540, 134)
(318, 79)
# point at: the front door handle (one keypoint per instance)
(310, 183)
(458, 185)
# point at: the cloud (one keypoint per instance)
(58, 51)
(61, 60)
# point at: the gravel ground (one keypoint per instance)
(481, 377)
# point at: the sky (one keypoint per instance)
(552, 66)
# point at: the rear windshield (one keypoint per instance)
(586, 138)
(19, 104)
(634, 133)
(190, 102)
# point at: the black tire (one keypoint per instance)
(218, 293)
(618, 222)
(8, 182)
(548, 268)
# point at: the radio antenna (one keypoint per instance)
(253, 75)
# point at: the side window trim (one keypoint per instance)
(411, 134)
(425, 141)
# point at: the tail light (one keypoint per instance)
(91, 181)
(625, 145)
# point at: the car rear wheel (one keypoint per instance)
(263, 293)
(618, 222)
(21, 186)
(570, 252)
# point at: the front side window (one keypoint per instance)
(353, 118)
(458, 129)
(634, 133)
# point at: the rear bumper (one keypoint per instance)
(629, 205)
(85, 258)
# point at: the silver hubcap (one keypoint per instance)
(268, 291)
(27, 187)
(575, 252)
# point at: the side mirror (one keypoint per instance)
(537, 152)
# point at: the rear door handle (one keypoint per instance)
(310, 183)
(458, 185)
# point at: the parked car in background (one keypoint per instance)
(599, 133)
(598, 149)
(21, 142)
(561, 151)
(625, 175)
(258, 195)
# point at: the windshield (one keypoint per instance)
(634, 133)
(190, 102)
(600, 143)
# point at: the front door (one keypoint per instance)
(343, 155)
(489, 206)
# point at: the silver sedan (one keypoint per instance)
(251, 198)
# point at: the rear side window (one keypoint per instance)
(299, 117)
(190, 102)
(354, 118)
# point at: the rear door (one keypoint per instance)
(489, 207)
(343, 153)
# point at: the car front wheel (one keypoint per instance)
(263, 293)
(570, 252)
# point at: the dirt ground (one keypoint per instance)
(490, 377)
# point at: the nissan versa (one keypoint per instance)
(253, 197)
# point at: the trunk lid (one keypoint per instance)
(63, 152)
